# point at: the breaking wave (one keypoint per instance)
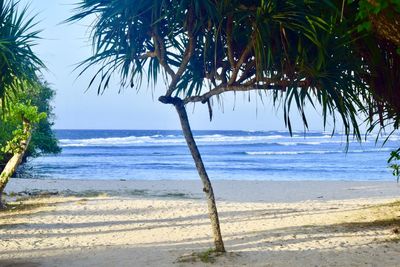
(257, 153)
(278, 140)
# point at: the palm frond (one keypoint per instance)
(18, 63)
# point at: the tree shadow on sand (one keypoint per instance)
(328, 244)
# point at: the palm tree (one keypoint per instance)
(18, 63)
(295, 52)
(18, 67)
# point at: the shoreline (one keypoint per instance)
(225, 190)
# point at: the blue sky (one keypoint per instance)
(64, 45)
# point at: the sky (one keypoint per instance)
(63, 46)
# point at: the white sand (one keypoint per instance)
(263, 224)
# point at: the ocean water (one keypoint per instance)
(228, 155)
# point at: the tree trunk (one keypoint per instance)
(207, 188)
(15, 161)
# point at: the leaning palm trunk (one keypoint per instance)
(15, 160)
(207, 187)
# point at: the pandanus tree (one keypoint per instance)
(18, 63)
(18, 72)
(296, 52)
(379, 47)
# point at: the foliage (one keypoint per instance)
(393, 163)
(43, 139)
(368, 7)
(34, 106)
(27, 114)
(18, 63)
(297, 50)
(208, 256)
(379, 40)
(21, 92)
(379, 46)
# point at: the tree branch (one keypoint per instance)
(268, 84)
(247, 72)
(186, 56)
(160, 51)
(229, 29)
(185, 61)
(222, 76)
(245, 54)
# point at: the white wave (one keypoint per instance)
(237, 139)
(170, 139)
(288, 152)
(313, 143)
(117, 141)
(255, 153)
(312, 136)
(202, 139)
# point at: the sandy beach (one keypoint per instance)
(164, 223)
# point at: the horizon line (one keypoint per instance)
(227, 130)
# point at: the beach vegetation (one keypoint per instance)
(297, 53)
(208, 256)
(25, 112)
(19, 121)
(43, 139)
(19, 65)
(393, 163)
(380, 47)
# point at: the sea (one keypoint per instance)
(228, 155)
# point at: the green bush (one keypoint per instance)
(33, 105)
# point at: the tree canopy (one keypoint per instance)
(19, 65)
(32, 104)
(379, 48)
(295, 51)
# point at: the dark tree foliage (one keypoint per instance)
(379, 22)
(43, 138)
